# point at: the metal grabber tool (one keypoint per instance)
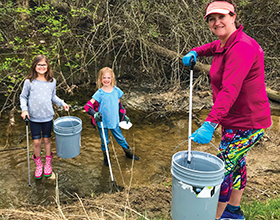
(113, 185)
(27, 143)
(192, 62)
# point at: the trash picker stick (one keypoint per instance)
(107, 152)
(27, 143)
(192, 62)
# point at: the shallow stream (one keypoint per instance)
(153, 141)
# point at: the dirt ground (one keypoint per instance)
(154, 201)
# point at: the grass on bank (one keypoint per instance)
(256, 210)
(265, 210)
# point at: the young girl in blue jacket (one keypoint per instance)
(105, 106)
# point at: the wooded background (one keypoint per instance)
(141, 40)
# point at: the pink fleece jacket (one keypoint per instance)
(238, 83)
(94, 106)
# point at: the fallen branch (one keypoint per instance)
(261, 191)
(205, 68)
(273, 95)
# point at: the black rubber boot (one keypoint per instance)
(105, 163)
(129, 154)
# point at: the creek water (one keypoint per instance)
(153, 141)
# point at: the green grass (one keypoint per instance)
(266, 210)
(3, 217)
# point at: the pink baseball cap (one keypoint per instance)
(219, 7)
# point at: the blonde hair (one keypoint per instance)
(101, 74)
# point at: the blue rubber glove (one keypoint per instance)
(187, 58)
(204, 134)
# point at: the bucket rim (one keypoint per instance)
(66, 118)
(67, 134)
(198, 171)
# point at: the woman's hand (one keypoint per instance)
(204, 134)
(187, 58)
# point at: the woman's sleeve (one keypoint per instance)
(206, 50)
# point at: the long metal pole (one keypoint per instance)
(107, 152)
(192, 62)
(27, 143)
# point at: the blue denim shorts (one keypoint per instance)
(39, 129)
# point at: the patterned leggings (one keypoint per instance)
(234, 146)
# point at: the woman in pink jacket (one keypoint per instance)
(241, 105)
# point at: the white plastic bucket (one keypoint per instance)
(67, 136)
(195, 186)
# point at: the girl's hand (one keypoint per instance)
(66, 107)
(126, 119)
(24, 114)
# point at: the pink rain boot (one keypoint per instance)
(48, 166)
(39, 167)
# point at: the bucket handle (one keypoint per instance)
(210, 143)
(70, 120)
